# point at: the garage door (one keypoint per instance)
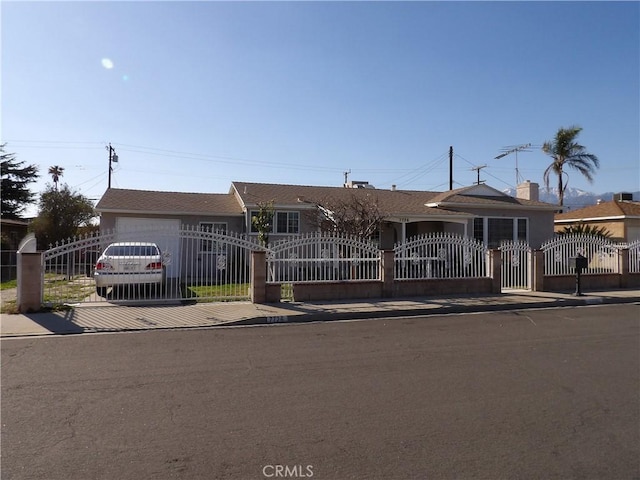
(165, 232)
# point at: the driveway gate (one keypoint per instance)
(516, 261)
(198, 266)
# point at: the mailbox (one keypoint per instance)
(578, 263)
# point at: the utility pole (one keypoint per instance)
(112, 158)
(346, 177)
(451, 168)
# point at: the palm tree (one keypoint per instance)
(567, 152)
(56, 173)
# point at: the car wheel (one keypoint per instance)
(101, 291)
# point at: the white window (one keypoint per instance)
(211, 246)
(283, 222)
(492, 231)
(287, 222)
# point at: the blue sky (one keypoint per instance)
(195, 95)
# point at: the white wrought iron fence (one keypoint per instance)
(602, 254)
(194, 264)
(319, 257)
(67, 274)
(634, 256)
(440, 255)
(515, 265)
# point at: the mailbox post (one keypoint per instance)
(578, 263)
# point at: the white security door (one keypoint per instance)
(165, 232)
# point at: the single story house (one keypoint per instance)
(621, 217)
(478, 210)
(13, 231)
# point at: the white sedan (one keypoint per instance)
(129, 263)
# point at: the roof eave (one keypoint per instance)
(519, 206)
(163, 212)
(596, 219)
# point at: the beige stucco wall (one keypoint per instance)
(234, 224)
(623, 230)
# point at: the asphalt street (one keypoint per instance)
(552, 393)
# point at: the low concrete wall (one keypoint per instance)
(562, 283)
(442, 286)
(305, 292)
(273, 293)
(633, 280)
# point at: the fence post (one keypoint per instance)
(258, 277)
(537, 269)
(29, 295)
(495, 270)
(388, 263)
(623, 267)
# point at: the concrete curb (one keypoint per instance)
(226, 316)
(437, 310)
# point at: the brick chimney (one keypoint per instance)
(528, 191)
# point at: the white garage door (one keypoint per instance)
(165, 232)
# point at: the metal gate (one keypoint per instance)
(191, 265)
(516, 262)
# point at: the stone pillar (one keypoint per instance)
(623, 267)
(495, 270)
(29, 295)
(388, 277)
(537, 271)
(258, 277)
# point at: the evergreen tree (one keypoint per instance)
(16, 178)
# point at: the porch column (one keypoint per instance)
(29, 295)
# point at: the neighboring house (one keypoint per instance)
(620, 217)
(13, 231)
(479, 210)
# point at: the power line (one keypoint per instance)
(420, 171)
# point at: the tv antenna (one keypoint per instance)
(477, 169)
(515, 149)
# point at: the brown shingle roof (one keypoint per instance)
(244, 194)
(176, 203)
(394, 202)
(470, 195)
(615, 208)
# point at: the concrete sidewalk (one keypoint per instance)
(112, 318)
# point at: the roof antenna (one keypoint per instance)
(515, 149)
(478, 168)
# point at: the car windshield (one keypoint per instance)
(132, 251)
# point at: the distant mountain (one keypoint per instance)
(573, 197)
